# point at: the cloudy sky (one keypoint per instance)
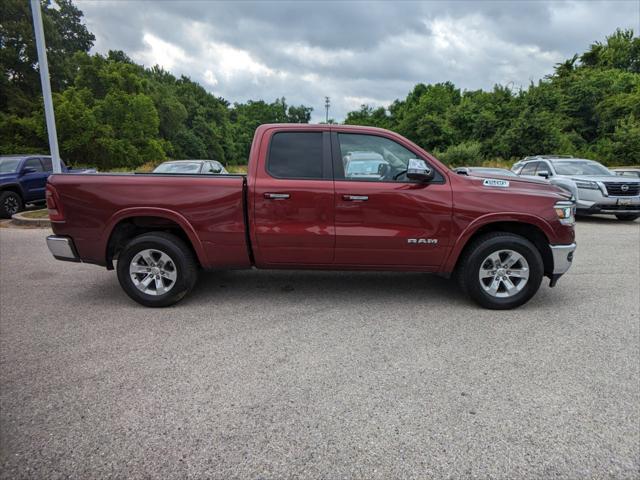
(355, 52)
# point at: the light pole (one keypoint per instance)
(46, 85)
(327, 104)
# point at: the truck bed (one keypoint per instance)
(209, 208)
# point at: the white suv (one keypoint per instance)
(596, 189)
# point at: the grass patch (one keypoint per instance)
(36, 214)
(237, 169)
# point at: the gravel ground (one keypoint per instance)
(268, 375)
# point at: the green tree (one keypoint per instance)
(65, 34)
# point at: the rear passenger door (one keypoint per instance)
(293, 200)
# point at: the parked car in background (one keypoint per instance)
(596, 189)
(23, 179)
(485, 172)
(192, 167)
(297, 208)
(365, 165)
(627, 172)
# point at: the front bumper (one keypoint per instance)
(608, 209)
(597, 201)
(62, 248)
(562, 259)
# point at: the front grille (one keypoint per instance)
(616, 189)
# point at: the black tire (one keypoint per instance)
(10, 203)
(185, 268)
(475, 254)
(627, 217)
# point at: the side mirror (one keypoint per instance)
(543, 174)
(417, 169)
(27, 170)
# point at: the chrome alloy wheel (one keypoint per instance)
(504, 273)
(11, 205)
(153, 272)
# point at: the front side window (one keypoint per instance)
(529, 169)
(35, 164)
(544, 167)
(296, 155)
(373, 158)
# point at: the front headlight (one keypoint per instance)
(565, 212)
(586, 184)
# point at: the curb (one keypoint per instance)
(20, 220)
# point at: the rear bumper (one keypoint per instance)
(562, 259)
(62, 248)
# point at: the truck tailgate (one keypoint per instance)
(210, 209)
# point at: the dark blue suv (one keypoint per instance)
(23, 179)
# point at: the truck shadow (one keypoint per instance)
(332, 286)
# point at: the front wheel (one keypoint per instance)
(627, 217)
(501, 271)
(157, 269)
(10, 204)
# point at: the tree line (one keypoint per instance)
(112, 113)
(588, 107)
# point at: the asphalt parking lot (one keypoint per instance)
(268, 374)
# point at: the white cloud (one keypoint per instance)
(159, 52)
(354, 52)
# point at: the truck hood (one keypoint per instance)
(8, 177)
(525, 185)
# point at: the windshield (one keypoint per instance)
(585, 167)
(9, 165)
(181, 167)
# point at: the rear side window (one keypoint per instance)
(295, 155)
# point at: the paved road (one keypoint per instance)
(320, 375)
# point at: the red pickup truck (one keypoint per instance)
(317, 197)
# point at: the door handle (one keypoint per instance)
(276, 196)
(355, 198)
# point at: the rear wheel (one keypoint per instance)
(627, 217)
(10, 204)
(501, 270)
(157, 269)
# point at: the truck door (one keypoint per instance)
(383, 219)
(293, 199)
(34, 180)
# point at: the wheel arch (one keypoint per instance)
(536, 231)
(128, 224)
(12, 187)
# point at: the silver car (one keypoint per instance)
(365, 165)
(192, 167)
(596, 189)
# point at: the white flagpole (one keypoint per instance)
(46, 85)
